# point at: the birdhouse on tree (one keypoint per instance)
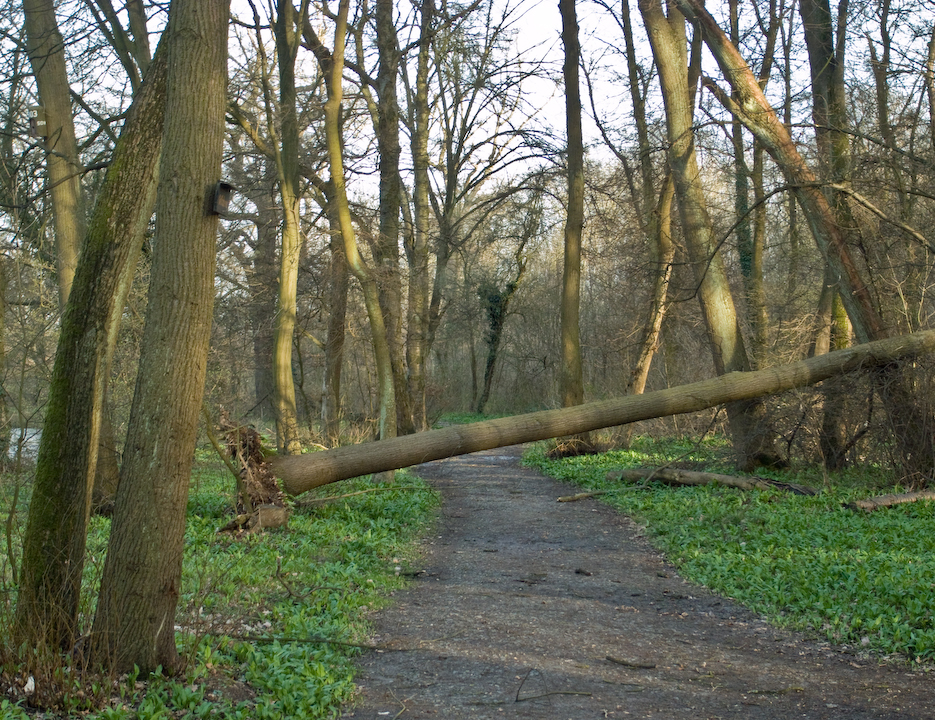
(37, 124)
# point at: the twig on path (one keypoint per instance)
(545, 694)
(401, 702)
(585, 495)
(632, 664)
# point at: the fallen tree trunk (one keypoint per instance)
(675, 476)
(882, 501)
(300, 473)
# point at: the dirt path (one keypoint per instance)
(530, 608)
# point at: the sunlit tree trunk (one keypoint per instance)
(826, 55)
(287, 164)
(264, 283)
(331, 408)
(46, 50)
(386, 247)
(910, 422)
(420, 308)
(655, 217)
(662, 259)
(54, 543)
(752, 439)
(140, 585)
(572, 380)
(751, 229)
(930, 86)
(356, 264)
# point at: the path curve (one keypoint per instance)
(528, 608)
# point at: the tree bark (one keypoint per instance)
(331, 406)
(758, 116)
(287, 165)
(386, 247)
(420, 308)
(334, 78)
(655, 216)
(46, 49)
(911, 423)
(751, 437)
(829, 113)
(298, 474)
(54, 543)
(661, 228)
(572, 380)
(264, 284)
(675, 476)
(135, 620)
(885, 501)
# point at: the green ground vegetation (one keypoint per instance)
(269, 622)
(865, 580)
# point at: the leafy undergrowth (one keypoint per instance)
(268, 624)
(864, 580)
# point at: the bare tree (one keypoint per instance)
(56, 532)
(135, 620)
(751, 435)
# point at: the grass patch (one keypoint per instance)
(255, 613)
(859, 579)
(464, 418)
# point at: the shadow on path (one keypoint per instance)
(530, 608)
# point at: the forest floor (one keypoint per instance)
(529, 608)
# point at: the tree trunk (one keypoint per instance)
(385, 389)
(264, 283)
(135, 620)
(829, 113)
(287, 164)
(910, 421)
(664, 255)
(299, 474)
(572, 379)
(675, 476)
(46, 50)
(421, 308)
(758, 116)
(751, 436)
(331, 407)
(930, 87)
(107, 467)
(497, 305)
(56, 531)
(386, 247)
(655, 219)
(752, 253)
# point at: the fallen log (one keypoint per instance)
(883, 501)
(675, 476)
(300, 473)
